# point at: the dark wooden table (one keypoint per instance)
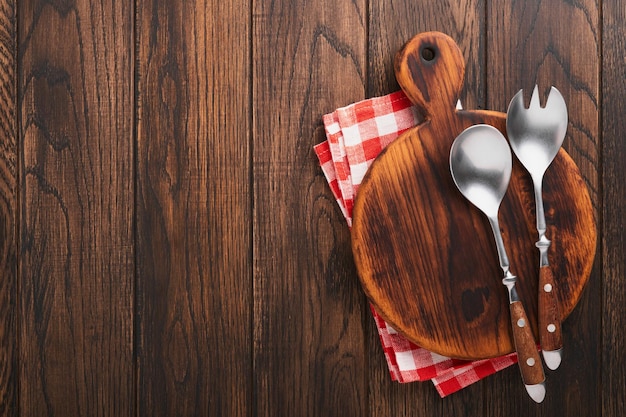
(169, 246)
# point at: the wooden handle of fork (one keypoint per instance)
(527, 354)
(549, 314)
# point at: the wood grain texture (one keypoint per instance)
(391, 25)
(8, 210)
(310, 356)
(546, 43)
(613, 258)
(463, 21)
(528, 359)
(194, 208)
(550, 333)
(426, 257)
(76, 208)
(555, 43)
(158, 154)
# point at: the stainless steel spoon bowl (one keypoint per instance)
(481, 163)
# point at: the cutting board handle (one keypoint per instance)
(430, 70)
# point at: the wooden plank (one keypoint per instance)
(76, 208)
(464, 22)
(194, 208)
(310, 360)
(8, 210)
(613, 255)
(554, 43)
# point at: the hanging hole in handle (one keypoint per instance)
(428, 53)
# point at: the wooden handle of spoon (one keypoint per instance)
(549, 315)
(527, 354)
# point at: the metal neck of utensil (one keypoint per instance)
(509, 282)
(509, 279)
(541, 217)
(543, 244)
(495, 228)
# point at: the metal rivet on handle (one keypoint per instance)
(521, 323)
(547, 288)
(551, 328)
(530, 362)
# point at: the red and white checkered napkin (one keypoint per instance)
(356, 134)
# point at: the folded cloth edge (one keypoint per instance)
(448, 375)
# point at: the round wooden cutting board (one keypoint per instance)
(426, 257)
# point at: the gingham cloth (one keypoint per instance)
(355, 136)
